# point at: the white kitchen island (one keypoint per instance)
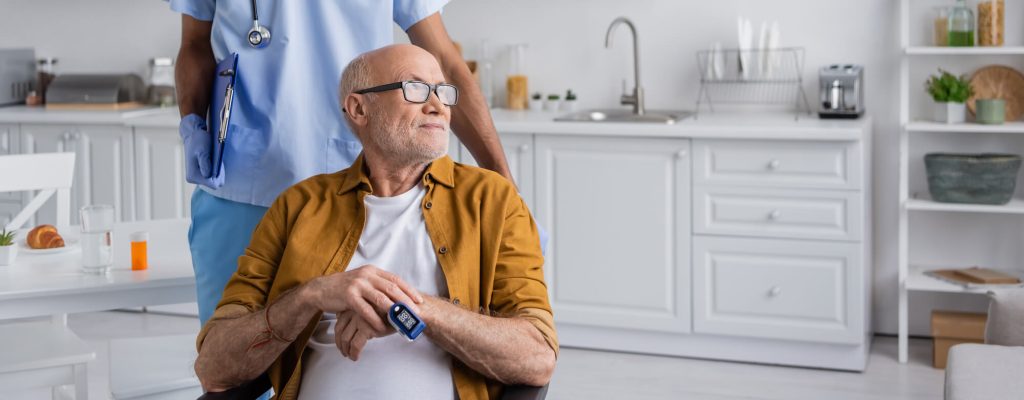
(735, 237)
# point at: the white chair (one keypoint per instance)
(42, 353)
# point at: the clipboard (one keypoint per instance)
(221, 103)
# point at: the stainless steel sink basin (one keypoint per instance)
(623, 115)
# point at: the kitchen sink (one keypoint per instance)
(625, 115)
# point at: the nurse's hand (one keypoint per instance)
(198, 152)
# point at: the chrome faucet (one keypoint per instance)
(637, 98)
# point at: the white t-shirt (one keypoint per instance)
(395, 239)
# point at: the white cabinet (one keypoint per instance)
(778, 289)
(618, 211)
(103, 164)
(161, 189)
(519, 155)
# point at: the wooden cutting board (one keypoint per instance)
(999, 82)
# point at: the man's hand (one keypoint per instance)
(351, 332)
(198, 146)
(366, 291)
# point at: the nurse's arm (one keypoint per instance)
(193, 73)
(471, 119)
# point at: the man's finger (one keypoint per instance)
(410, 291)
(346, 339)
(339, 327)
(365, 310)
(392, 290)
(359, 340)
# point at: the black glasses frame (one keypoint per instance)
(402, 84)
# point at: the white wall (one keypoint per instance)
(566, 39)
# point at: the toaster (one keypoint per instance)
(17, 75)
(841, 88)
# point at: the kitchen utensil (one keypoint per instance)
(841, 88)
(999, 82)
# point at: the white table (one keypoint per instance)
(42, 285)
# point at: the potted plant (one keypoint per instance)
(536, 102)
(570, 101)
(950, 94)
(8, 251)
(552, 103)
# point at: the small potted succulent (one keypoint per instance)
(8, 250)
(950, 94)
(569, 104)
(552, 103)
(536, 102)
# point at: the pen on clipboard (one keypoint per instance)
(225, 110)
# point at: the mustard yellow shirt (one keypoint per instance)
(485, 239)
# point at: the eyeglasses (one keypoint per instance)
(419, 92)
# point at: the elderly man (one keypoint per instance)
(404, 224)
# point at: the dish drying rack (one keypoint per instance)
(735, 76)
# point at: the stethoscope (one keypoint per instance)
(259, 35)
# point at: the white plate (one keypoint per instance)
(69, 246)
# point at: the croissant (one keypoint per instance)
(44, 237)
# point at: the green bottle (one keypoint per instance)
(961, 25)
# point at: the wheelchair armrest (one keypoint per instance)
(520, 392)
(247, 391)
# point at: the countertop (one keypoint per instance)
(707, 125)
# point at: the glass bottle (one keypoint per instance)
(961, 25)
(47, 72)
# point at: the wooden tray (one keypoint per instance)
(999, 82)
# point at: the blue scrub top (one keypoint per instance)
(286, 120)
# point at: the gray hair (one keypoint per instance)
(357, 75)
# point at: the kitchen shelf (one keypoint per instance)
(938, 127)
(1015, 206)
(964, 51)
(919, 282)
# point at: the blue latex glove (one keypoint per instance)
(198, 149)
(543, 240)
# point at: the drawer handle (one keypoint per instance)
(774, 215)
(775, 291)
(774, 164)
(523, 148)
(681, 154)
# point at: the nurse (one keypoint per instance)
(286, 124)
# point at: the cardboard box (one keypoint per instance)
(950, 328)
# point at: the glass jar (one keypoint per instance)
(961, 25)
(941, 27)
(517, 92)
(991, 22)
(161, 82)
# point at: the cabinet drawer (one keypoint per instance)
(782, 213)
(799, 164)
(778, 289)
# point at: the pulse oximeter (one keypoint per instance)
(405, 321)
